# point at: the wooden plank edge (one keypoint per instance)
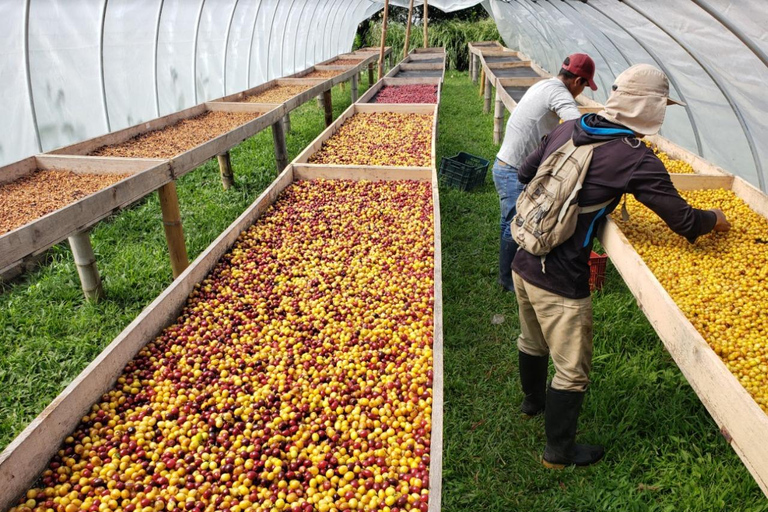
(726, 400)
(360, 172)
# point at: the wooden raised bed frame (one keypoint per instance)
(374, 89)
(301, 162)
(742, 422)
(28, 455)
(147, 175)
(188, 160)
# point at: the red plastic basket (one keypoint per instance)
(597, 270)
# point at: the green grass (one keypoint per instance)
(663, 450)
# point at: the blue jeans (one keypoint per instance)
(508, 188)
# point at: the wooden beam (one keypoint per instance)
(426, 24)
(174, 232)
(383, 38)
(225, 169)
(488, 90)
(498, 118)
(85, 260)
(281, 151)
(408, 29)
(353, 90)
(328, 106)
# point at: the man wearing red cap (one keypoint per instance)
(537, 113)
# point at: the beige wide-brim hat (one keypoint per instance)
(639, 99)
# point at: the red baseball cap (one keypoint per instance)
(581, 65)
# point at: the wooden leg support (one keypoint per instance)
(353, 88)
(482, 82)
(174, 232)
(328, 106)
(225, 169)
(320, 100)
(370, 74)
(281, 152)
(85, 261)
(498, 120)
(488, 93)
(287, 123)
(473, 58)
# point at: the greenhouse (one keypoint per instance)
(251, 258)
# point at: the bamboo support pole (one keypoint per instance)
(320, 100)
(225, 169)
(488, 93)
(174, 232)
(383, 39)
(85, 261)
(426, 24)
(328, 106)
(370, 74)
(287, 123)
(482, 81)
(408, 29)
(474, 60)
(498, 119)
(281, 151)
(353, 88)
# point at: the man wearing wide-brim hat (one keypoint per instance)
(555, 304)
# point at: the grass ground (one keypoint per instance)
(663, 451)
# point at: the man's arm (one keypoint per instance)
(652, 186)
(564, 105)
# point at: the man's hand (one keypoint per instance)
(722, 225)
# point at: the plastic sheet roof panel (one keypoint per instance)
(74, 69)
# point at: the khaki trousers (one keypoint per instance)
(558, 326)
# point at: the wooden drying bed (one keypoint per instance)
(26, 457)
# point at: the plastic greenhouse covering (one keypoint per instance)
(75, 69)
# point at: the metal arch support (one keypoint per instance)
(325, 28)
(28, 74)
(154, 58)
(226, 45)
(301, 17)
(250, 47)
(586, 34)
(194, 51)
(543, 37)
(736, 31)
(617, 47)
(313, 21)
(101, 65)
(282, 44)
(269, 36)
(664, 68)
(555, 71)
(723, 89)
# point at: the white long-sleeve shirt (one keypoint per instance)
(537, 113)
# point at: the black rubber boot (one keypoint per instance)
(507, 250)
(533, 379)
(561, 417)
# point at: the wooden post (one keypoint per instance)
(474, 60)
(498, 119)
(174, 232)
(320, 100)
(281, 151)
(353, 88)
(488, 92)
(482, 81)
(426, 23)
(225, 168)
(383, 39)
(328, 106)
(287, 123)
(370, 74)
(408, 29)
(85, 261)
